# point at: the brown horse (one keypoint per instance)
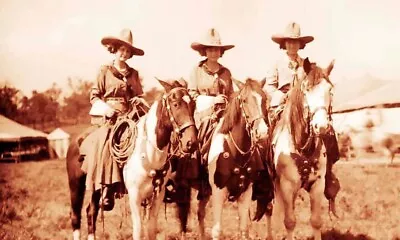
(299, 153)
(172, 112)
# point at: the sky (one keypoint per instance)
(47, 41)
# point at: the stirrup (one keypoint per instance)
(107, 200)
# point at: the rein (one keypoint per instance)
(249, 129)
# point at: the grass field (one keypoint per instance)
(34, 204)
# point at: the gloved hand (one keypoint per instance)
(220, 99)
(110, 112)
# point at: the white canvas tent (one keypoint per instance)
(59, 141)
(18, 141)
(379, 106)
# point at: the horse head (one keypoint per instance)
(176, 112)
(248, 106)
(317, 89)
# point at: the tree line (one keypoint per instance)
(53, 107)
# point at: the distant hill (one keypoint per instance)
(385, 94)
(351, 89)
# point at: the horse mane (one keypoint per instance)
(163, 126)
(297, 122)
(233, 113)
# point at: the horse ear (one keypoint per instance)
(328, 70)
(238, 83)
(167, 86)
(262, 82)
(183, 82)
(307, 66)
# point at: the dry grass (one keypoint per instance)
(34, 204)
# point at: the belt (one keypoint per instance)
(116, 99)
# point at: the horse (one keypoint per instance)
(298, 150)
(234, 156)
(148, 167)
(173, 112)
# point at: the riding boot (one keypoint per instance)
(332, 185)
(107, 201)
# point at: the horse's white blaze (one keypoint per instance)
(217, 146)
(318, 100)
(262, 127)
(186, 98)
(76, 235)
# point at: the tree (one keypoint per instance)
(77, 105)
(152, 95)
(8, 102)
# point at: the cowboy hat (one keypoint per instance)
(292, 31)
(211, 39)
(125, 38)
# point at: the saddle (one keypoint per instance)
(237, 172)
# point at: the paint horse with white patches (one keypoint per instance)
(235, 158)
(148, 167)
(299, 151)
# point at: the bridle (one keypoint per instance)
(249, 127)
(178, 129)
(310, 115)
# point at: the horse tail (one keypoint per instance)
(264, 206)
(263, 192)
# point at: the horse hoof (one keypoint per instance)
(183, 236)
(76, 235)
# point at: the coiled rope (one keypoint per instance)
(122, 139)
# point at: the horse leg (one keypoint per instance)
(183, 212)
(92, 211)
(269, 223)
(218, 198)
(244, 203)
(135, 205)
(201, 215)
(287, 189)
(151, 225)
(77, 194)
(316, 198)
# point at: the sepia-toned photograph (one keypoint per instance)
(189, 119)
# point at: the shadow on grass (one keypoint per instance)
(336, 235)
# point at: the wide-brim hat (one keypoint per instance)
(293, 32)
(125, 38)
(211, 39)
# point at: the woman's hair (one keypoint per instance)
(283, 45)
(113, 48)
(203, 51)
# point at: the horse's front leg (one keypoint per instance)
(151, 225)
(244, 203)
(316, 199)
(135, 204)
(288, 192)
(92, 211)
(201, 215)
(218, 198)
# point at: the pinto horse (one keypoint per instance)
(234, 156)
(147, 169)
(299, 153)
(142, 174)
